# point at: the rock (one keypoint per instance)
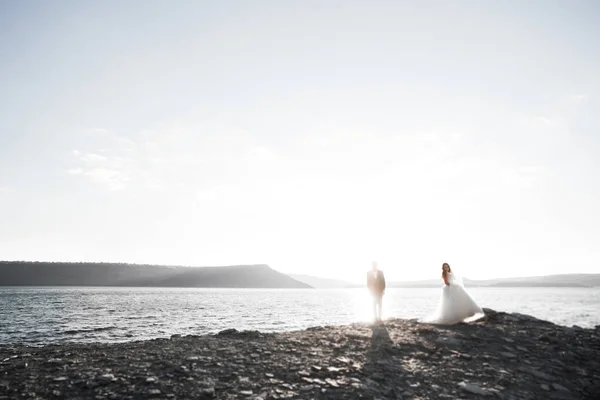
(21, 365)
(230, 331)
(315, 328)
(331, 382)
(560, 388)
(250, 334)
(469, 387)
(106, 378)
(378, 376)
(448, 342)
(326, 363)
(59, 379)
(536, 373)
(154, 392)
(207, 393)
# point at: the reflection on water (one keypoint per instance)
(44, 315)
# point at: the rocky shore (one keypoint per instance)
(505, 356)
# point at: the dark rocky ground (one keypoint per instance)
(507, 356)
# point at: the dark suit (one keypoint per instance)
(376, 285)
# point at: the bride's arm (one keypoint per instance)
(445, 278)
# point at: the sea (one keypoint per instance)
(46, 315)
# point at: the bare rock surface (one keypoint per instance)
(504, 356)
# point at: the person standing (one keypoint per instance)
(376, 285)
(456, 304)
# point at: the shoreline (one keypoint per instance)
(502, 355)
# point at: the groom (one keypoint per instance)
(376, 285)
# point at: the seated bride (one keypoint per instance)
(456, 305)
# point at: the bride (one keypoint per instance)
(456, 305)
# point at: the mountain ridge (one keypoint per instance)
(557, 280)
(38, 273)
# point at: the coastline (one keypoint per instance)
(510, 356)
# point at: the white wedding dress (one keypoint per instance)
(456, 305)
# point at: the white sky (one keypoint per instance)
(314, 136)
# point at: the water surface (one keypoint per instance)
(88, 314)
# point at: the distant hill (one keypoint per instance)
(321, 283)
(22, 273)
(563, 280)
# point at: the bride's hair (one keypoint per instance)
(446, 265)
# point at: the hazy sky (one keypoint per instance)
(314, 136)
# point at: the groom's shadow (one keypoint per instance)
(384, 365)
(380, 337)
(379, 353)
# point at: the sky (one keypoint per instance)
(313, 136)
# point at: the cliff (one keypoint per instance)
(20, 273)
(506, 356)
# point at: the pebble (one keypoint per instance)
(106, 377)
(378, 376)
(469, 387)
(537, 373)
(560, 387)
(332, 382)
(207, 392)
(448, 341)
